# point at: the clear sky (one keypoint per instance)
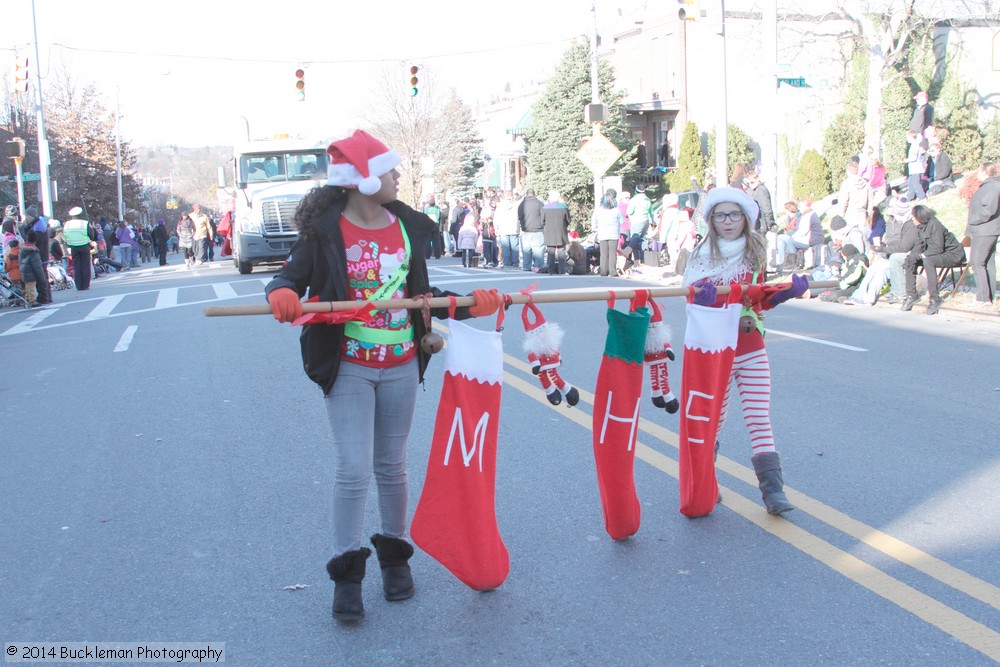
(188, 72)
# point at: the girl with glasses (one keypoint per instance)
(731, 253)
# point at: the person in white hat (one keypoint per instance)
(732, 253)
(357, 243)
(79, 235)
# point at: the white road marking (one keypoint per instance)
(224, 291)
(817, 340)
(167, 298)
(126, 338)
(104, 308)
(447, 272)
(31, 321)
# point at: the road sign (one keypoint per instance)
(794, 82)
(30, 177)
(598, 154)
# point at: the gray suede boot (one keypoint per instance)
(768, 469)
(393, 556)
(716, 460)
(347, 571)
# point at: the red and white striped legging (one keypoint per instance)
(752, 374)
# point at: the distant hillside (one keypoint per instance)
(191, 173)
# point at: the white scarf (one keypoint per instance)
(724, 270)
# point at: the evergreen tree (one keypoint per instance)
(456, 148)
(558, 127)
(991, 140)
(690, 161)
(964, 140)
(741, 149)
(844, 137)
(897, 109)
(812, 177)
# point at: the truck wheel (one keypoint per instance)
(244, 267)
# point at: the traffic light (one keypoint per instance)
(690, 10)
(14, 148)
(414, 80)
(300, 84)
(21, 74)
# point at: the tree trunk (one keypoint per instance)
(873, 110)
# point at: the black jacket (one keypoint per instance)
(529, 214)
(922, 118)
(938, 244)
(984, 209)
(318, 265)
(900, 235)
(765, 219)
(939, 168)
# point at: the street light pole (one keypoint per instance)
(118, 151)
(595, 97)
(43, 144)
(722, 133)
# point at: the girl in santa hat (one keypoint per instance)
(358, 242)
(731, 253)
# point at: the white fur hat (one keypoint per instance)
(735, 196)
(359, 161)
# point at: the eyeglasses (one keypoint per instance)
(720, 217)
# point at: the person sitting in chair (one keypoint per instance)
(936, 248)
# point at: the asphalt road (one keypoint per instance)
(166, 476)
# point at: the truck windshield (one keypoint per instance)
(275, 167)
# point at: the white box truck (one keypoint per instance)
(267, 180)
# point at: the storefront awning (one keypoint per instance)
(523, 123)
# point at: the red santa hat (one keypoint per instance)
(659, 333)
(359, 161)
(542, 337)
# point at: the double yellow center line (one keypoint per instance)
(958, 625)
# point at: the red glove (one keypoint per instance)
(285, 304)
(488, 301)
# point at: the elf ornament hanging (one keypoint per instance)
(542, 343)
(658, 352)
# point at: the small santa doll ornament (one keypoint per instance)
(542, 344)
(658, 351)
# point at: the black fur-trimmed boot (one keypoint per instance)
(393, 554)
(768, 469)
(347, 571)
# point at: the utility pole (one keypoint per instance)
(43, 145)
(769, 149)
(722, 131)
(595, 98)
(118, 152)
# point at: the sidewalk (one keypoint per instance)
(958, 305)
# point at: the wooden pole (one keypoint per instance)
(548, 296)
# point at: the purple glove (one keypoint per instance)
(706, 293)
(799, 286)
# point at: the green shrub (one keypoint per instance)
(690, 161)
(964, 141)
(843, 138)
(812, 177)
(897, 109)
(740, 150)
(991, 139)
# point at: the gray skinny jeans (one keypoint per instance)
(370, 412)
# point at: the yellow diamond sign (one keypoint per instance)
(598, 154)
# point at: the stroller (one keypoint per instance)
(58, 278)
(10, 295)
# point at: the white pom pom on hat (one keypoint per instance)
(359, 161)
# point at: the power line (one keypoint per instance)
(343, 61)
